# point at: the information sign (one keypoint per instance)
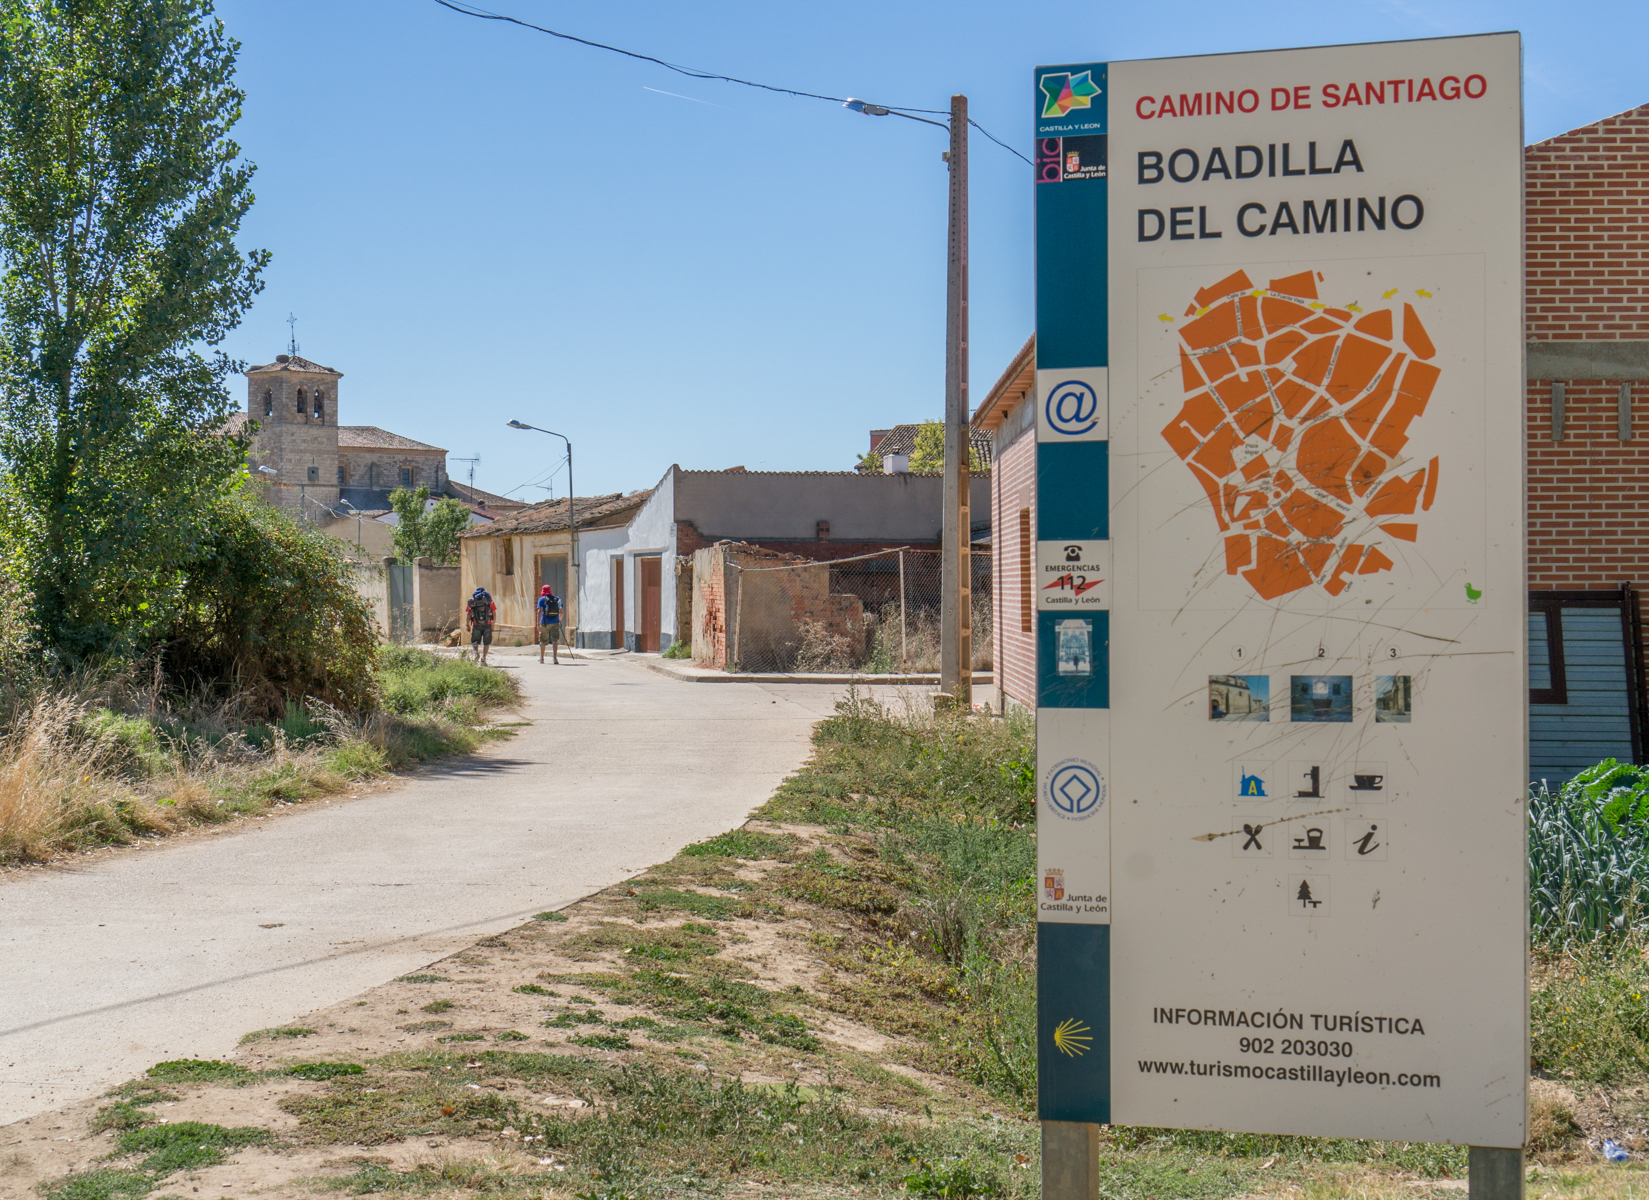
(1282, 693)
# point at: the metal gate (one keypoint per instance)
(402, 619)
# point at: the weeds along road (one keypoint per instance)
(177, 950)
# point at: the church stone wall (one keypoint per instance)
(427, 466)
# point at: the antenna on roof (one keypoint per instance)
(292, 342)
(472, 461)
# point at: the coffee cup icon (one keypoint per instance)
(1366, 783)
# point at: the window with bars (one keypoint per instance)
(1027, 574)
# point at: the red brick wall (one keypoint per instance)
(1587, 239)
(1589, 493)
(1587, 221)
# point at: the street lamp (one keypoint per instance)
(572, 500)
(956, 571)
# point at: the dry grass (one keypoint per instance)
(94, 763)
(54, 782)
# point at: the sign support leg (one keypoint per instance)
(1070, 1161)
(1491, 1173)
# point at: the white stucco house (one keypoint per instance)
(632, 595)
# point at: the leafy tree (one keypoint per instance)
(121, 194)
(433, 532)
(870, 463)
(927, 457)
(272, 615)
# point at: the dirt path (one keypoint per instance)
(177, 950)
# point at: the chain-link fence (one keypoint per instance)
(875, 613)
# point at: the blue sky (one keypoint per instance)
(475, 222)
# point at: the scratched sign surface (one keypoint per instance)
(1314, 750)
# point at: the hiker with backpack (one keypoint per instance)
(549, 623)
(482, 611)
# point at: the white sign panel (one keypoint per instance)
(1074, 817)
(1073, 575)
(1073, 405)
(1318, 684)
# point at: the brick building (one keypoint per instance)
(1587, 326)
(1006, 416)
(1587, 318)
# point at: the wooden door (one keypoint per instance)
(618, 602)
(652, 589)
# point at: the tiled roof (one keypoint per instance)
(236, 422)
(356, 437)
(494, 505)
(901, 439)
(291, 362)
(552, 514)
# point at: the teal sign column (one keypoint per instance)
(1072, 586)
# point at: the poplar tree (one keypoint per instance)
(121, 194)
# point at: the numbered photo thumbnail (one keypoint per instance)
(1239, 698)
(1319, 698)
(1393, 699)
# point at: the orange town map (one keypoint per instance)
(1294, 423)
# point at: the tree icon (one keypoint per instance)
(1304, 895)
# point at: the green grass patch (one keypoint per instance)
(602, 1041)
(423, 979)
(716, 908)
(463, 1037)
(1589, 1012)
(724, 1006)
(277, 1033)
(511, 1035)
(533, 989)
(417, 682)
(747, 844)
(102, 1184)
(186, 1145)
(199, 1070)
(549, 916)
(322, 1071)
(573, 1018)
(437, 1006)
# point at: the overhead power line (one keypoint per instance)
(470, 10)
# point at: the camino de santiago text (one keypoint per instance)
(1292, 215)
(1357, 1022)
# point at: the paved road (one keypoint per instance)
(161, 953)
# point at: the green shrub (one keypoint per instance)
(678, 649)
(271, 615)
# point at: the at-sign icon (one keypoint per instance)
(1072, 408)
(1073, 405)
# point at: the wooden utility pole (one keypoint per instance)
(956, 603)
